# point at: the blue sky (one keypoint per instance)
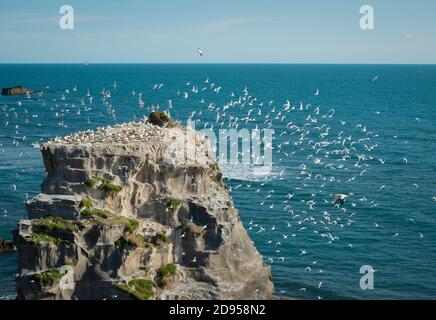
(237, 31)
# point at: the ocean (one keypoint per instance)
(363, 130)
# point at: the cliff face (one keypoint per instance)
(124, 215)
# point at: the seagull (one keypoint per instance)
(200, 52)
(317, 92)
(375, 78)
(340, 198)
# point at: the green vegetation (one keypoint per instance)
(160, 119)
(174, 203)
(51, 223)
(214, 166)
(130, 241)
(132, 225)
(106, 217)
(167, 270)
(103, 185)
(141, 289)
(38, 238)
(89, 212)
(108, 186)
(160, 239)
(47, 278)
(70, 261)
(147, 245)
(85, 203)
(90, 183)
(44, 230)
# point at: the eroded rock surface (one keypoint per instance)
(6, 246)
(135, 211)
(15, 91)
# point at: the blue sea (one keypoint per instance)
(384, 115)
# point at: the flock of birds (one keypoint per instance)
(319, 158)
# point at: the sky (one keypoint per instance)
(236, 31)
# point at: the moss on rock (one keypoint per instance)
(47, 278)
(141, 289)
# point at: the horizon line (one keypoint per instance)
(219, 63)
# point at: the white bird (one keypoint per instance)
(200, 52)
(341, 198)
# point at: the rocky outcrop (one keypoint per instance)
(135, 211)
(6, 246)
(15, 91)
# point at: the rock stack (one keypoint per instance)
(15, 91)
(135, 211)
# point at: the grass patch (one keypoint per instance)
(90, 212)
(108, 186)
(90, 183)
(141, 289)
(39, 238)
(47, 278)
(85, 203)
(52, 223)
(160, 239)
(107, 217)
(130, 241)
(167, 270)
(174, 203)
(103, 185)
(132, 225)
